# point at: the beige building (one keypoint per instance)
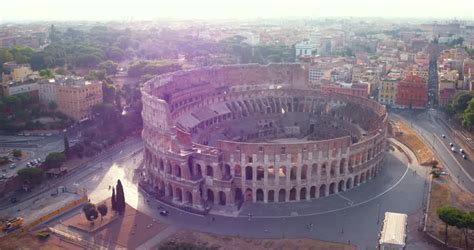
(77, 99)
(388, 91)
(18, 72)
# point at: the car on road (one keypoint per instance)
(461, 151)
(451, 144)
(444, 136)
(453, 149)
(464, 157)
(164, 213)
(12, 166)
(3, 176)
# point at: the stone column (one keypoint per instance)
(265, 195)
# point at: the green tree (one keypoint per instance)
(102, 208)
(110, 67)
(120, 198)
(450, 216)
(55, 159)
(114, 200)
(46, 73)
(34, 176)
(16, 153)
(461, 101)
(90, 212)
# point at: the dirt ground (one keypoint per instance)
(444, 192)
(223, 242)
(408, 137)
(29, 241)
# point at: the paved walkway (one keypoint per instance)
(153, 242)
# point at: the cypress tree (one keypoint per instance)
(66, 145)
(120, 198)
(114, 200)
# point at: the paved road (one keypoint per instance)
(334, 220)
(427, 125)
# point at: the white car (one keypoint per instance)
(453, 149)
(461, 151)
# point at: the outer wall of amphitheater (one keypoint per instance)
(189, 174)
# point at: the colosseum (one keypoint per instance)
(224, 135)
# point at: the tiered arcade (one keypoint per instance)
(200, 152)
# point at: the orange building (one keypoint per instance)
(412, 92)
(76, 98)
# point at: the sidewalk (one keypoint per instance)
(22, 196)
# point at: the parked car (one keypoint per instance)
(464, 157)
(12, 166)
(451, 144)
(164, 213)
(461, 151)
(444, 136)
(453, 149)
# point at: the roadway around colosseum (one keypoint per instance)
(397, 188)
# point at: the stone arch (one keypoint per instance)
(322, 190)
(304, 172)
(198, 170)
(362, 177)
(342, 165)
(248, 194)
(162, 164)
(170, 190)
(349, 183)
(303, 193)
(356, 181)
(293, 194)
(333, 168)
(324, 169)
(179, 194)
(209, 171)
(314, 171)
(293, 171)
(188, 198)
(177, 170)
(282, 172)
(260, 173)
(271, 196)
(312, 192)
(282, 195)
(259, 194)
(271, 173)
(368, 176)
(226, 173)
(340, 186)
(332, 188)
(248, 173)
(168, 167)
(210, 195)
(222, 200)
(238, 196)
(238, 170)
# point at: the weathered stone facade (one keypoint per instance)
(226, 174)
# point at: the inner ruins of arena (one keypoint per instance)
(224, 135)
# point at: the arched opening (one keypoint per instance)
(362, 178)
(189, 197)
(293, 194)
(340, 186)
(238, 170)
(179, 195)
(248, 194)
(248, 173)
(333, 168)
(168, 168)
(226, 172)
(304, 172)
(259, 194)
(210, 195)
(342, 165)
(177, 171)
(312, 192)
(293, 173)
(322, 190)
(162, 165)
(271, 173)
(209, 171)
(221, 198)
(356, 181)
(282, 172)
(332, 188)
(198, 171)
(367, 175)
(238, 196)
(282, 195)
(271, 196)
(170, 189)
(314, 171)
(303, 194)
(349, 183)
(260, 173)
(324, 169)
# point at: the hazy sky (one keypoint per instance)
(13, 10)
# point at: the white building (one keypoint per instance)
(47, 91)
(304, 49)
(393, 233)
(16, 89)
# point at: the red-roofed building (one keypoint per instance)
(445, 96)
(357, 89)
(412, 92)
